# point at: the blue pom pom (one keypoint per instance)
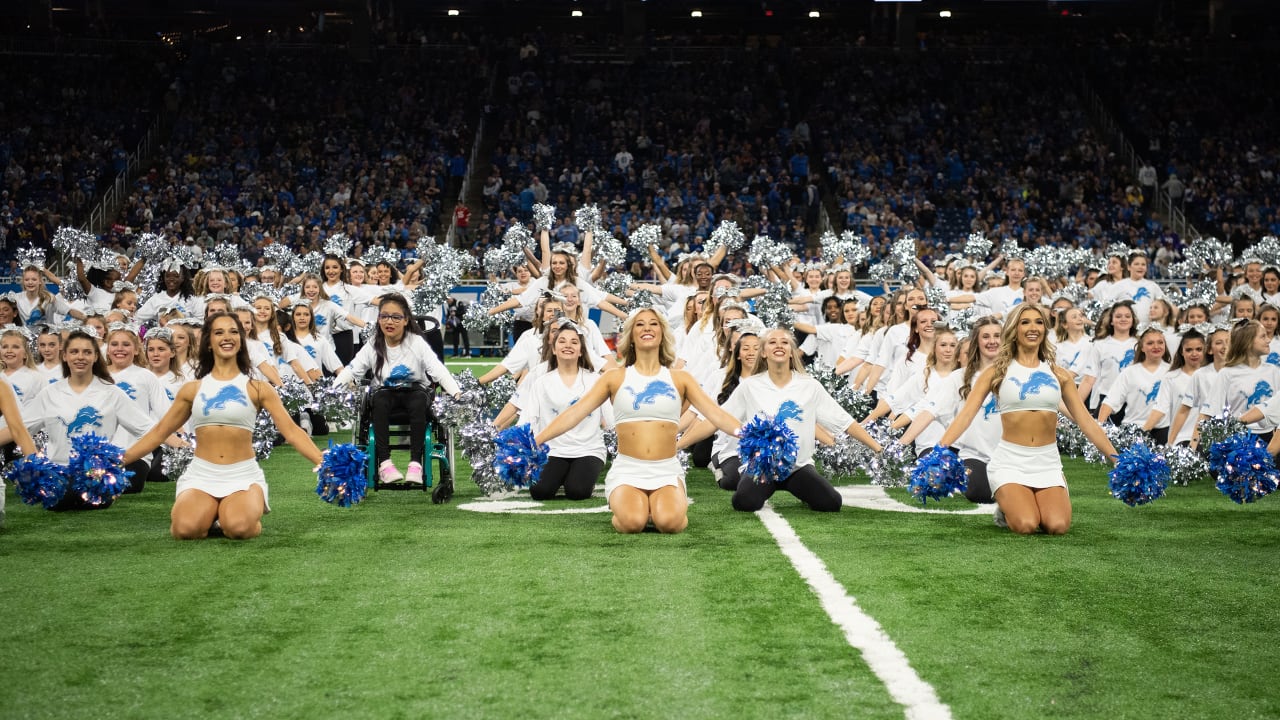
(768, 448)
(519, 458)
(342, 475)
(1139, 476)
(937, 475)
(38, 480)
(1245, 470)
(96, 470)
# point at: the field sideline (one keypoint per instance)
(398, 608)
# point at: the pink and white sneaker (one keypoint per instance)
(413, 474)
(387, 473)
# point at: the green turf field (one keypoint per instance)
(398, 608)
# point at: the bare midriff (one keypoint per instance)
(224, 444)
(1030, 428)
(647, 439)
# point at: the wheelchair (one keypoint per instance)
(437, 442)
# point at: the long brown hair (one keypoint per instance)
(100, 370)
(973, 358)
(549, 351)
(206, 346)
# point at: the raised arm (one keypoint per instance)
(659, 265)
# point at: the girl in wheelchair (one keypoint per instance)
(403, 367)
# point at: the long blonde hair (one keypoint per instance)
(1009, 342)
(627, 350)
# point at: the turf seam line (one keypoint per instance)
(861, 630)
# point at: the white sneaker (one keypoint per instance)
(387, 473)
(413, 475)
(999, 518)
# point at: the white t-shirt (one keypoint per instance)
(547, 397)
(1139, 391)
(802, 403)
(100, 408)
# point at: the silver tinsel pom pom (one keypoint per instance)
(1185, 269)
(477, 317)
(936, 298)
(881, 273)
(844, 459)
(772, 308)
(264, 435)
(309, 263)
(611, 442)
(616, 283)
(1216, 429)
(174, 460)
(464, 409)
(1267, 250)
(1071, 439)
(71, 291)
(1209, 251)
(727, 235)
(765, 253)
(294, 394)
(856, 249)
(476, 442)
(587, 218)
(75, 243)
(1185, 465)
(518, 238)
(278, 255)
(227, 255)
(834, 248)
(338, 244)
(336, 402)
(1048, 262)
(892, 467)
(978, 247)
(151, 247)
(498, 393)
(544, 216)
(1122, 437)
(500, 259)
(641, 299)
(644, 237)
(609, 249)
(30, 256)
(445, 268)
(1011, 250)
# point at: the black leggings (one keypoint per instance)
(805, 483)
(577, 475)
(344, 345)
(71, 501)
(415, 401)
(138, 480)
(978, 487)
(700, 453)
(156, 474)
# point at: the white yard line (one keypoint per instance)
(861, 630)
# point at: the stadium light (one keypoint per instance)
(944, 13)
(575, 13)
(696, 13)
(815, 14)
(453, 12)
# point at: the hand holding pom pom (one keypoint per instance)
(937, 475)
(342, 475)
(519, 458)
(1139, 477)
(38, 480)
(96, 470)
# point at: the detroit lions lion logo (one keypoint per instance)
(400, 375)
(1072, 362)
(226, 395)
(310, 351)
(1127, 360)
(1038, 379)
(989, 407)
(336, 300)
(651, 392)
(321, 321)
(16, 391)
(1262, 391)
(169, 394)
(1142, 294)
(128, 389)
(1155, 390)
(87, 417)
(1273, 359)
(36, 316)
(789, 410)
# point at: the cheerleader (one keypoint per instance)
(1106, 289)
(573, 310)
(919, 347)
(1025, 471)
(784, 391)
(1271, 286)
(99, 283)
(124, 362)
(1138, 288)
(1141, 389)
(37, 305)
(1269, 318)
(905, 400)
(894, 346)
(859, 346)
(1195, 400)
(1244, 381)
(744, 363)
(302, 333)
(577, 456)
(945, 399)
(403, 366)
(528, 347)
(19, 367)
(326, 315)
(49, 347)
(85, 401)
(126, 298)
(1075, 350)
(223, 485)
(173, 290)
(1187, 360)
(1115, 347)
(834, 335)
(9, 314)
(560, 269)
(264, 366)
(266, 329)
(348, 298)
(211, 282)
(523, 315)
(1000, 299)
(185, 340)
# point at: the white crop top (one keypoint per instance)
(224, 402)
(1027, 388)
(646, 397)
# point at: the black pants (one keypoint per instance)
(577, 475)
(517, 329)
(978, 487)
(156, 473)
(414, 402)
(729, 472)
(436, 340)
(700, 453)
(805, 483)
(1159, 436)
(138, 480)
(344, 345)
(458, 336)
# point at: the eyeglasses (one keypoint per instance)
(392, 317)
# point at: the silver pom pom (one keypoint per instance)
(1122, 437)
(641, 299)
(337, 402)
(499, 260)
(978, 247)
(30, 257)
(881, 273)
(278, 255)
(466, 408)
(174, 460)
(447, 266)
(1011, 250)
(1267, 250)
(727, 235)
(227, 255)
(75, 243)
(645, 236)
(609, 249)
(477, 317)
(1210, 252)
(610, 437)
(152, 248)
(856, 251)
(309, 264)
(842, 460)
(476, 442)
(1216, 429)
(544, 216)
(616, 283)
(587, 218)
(1185, 465)
(264, 435)
(834, 248)
(1071, 439)
(892, 467)
(773, 309)
(294, 394)
(498, 393)
(1048, 262)
(765, 253)
(338, 244)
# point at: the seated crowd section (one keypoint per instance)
(271, 144)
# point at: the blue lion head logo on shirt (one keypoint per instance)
(169, 394)
(87, 417)
(321, 321)
(989, 408)
(1127, 360)
(1142, 294)
(1038, 379)
(1273, 358)
(1155, 390)
(17, 391)
(789, 410)
(651, 392)
(310, 351)
(128, 389)
(400, 375)
(336, 300)
(226, 395)
(1262, 391)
